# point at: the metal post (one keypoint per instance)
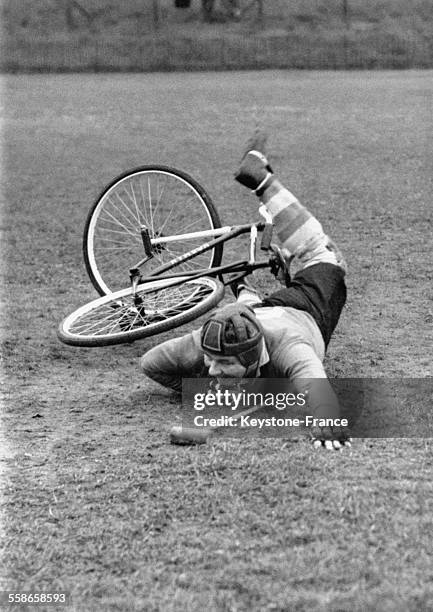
(260, 10)
(156, 14)
(69, 17)
(346, 13)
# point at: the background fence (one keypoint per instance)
(348, 50)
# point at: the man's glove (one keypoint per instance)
(331, 438)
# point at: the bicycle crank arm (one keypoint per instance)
(147, 244)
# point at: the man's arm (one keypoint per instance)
(309, 377)
(173, 360)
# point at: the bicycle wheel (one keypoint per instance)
(155, 308)
(168, 202)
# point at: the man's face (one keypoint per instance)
(224, 366)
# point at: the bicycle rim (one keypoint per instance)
(168, 202)
(125, 317)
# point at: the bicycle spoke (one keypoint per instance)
(116, 193)
(108, 249)
(167, 219)
(159, 199)
(143, 199)
(104, 230)
(150, 207)
(97, 321)
(127, 230)
(135, 203)
(186, 229)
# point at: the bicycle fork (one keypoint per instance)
(134, 273)
(135, 277)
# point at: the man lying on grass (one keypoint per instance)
(282, 336)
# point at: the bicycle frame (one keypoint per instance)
(222, 234)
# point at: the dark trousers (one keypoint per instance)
(319, 290)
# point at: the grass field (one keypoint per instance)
(94, 499)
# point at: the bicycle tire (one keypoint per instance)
(122, 321)
(112, 242)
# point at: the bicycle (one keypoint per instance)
(140, 226)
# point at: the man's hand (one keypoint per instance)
(331, 438)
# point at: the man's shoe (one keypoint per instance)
(255, 171)
(331, 246)
(256, 142)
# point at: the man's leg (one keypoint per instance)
(300, 233)
(318, 287)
